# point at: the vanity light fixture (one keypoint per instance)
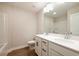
(54, 13)
(49, 7)
(46, 10)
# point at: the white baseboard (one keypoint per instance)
(9, 50)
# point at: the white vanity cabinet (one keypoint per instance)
(38, 46)
(45, 47)
(57, 50)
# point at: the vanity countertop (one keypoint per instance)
(68, 43)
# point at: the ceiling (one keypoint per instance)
(35, 7)
(61, 9)
(31, 6)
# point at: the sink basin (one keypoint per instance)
(68, 41)
(64, 40)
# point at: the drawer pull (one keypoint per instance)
(44, 42)
(36, 43)
(44, 50)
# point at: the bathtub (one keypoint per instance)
(2, 48)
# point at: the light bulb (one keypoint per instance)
(54, 13)
(48, 8)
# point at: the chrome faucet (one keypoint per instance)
(68, 35)
(46, 33)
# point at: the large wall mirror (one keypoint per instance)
(57, 18)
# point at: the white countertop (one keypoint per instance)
(69, 43)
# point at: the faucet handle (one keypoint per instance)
(70, 33)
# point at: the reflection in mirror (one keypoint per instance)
(55, 24)
(56, 17)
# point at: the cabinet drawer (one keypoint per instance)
(62, 50)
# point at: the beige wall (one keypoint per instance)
(20, 26)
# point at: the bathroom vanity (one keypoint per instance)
(49, 45)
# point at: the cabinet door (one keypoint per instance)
(38, 46)
(53, 52)
(62, 50)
